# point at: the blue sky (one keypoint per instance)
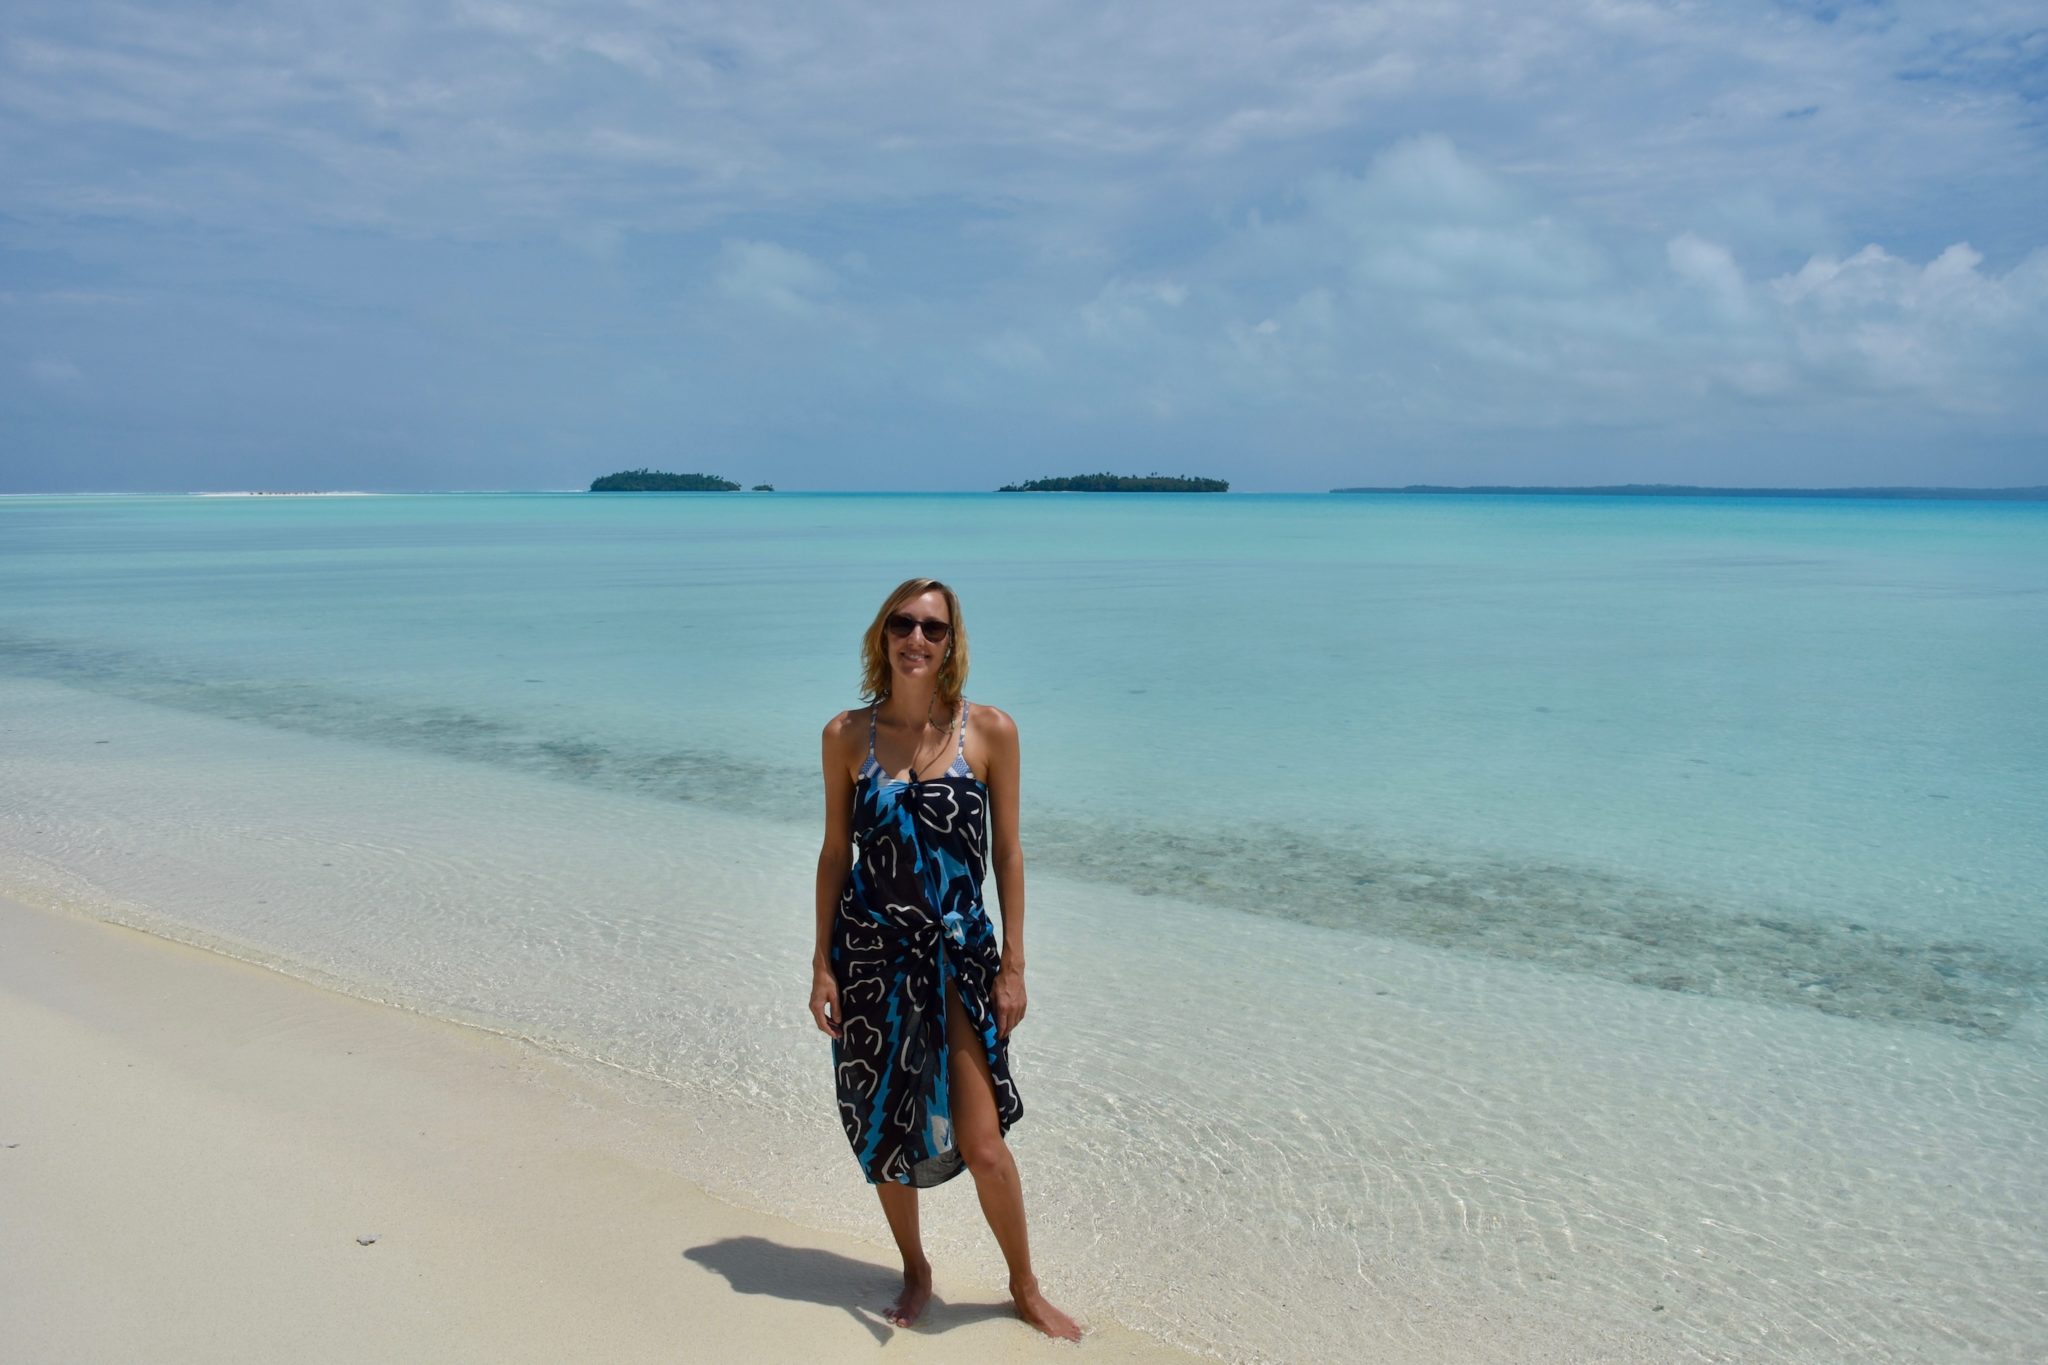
(508, 244)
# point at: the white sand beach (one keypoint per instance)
(193, 1148)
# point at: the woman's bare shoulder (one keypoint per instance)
(847, 728)
(992, 721)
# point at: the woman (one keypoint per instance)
(907, 978)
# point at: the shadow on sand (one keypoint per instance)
(755, 1265)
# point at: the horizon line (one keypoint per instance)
(1639, 489)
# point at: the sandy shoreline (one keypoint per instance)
(190, 1147)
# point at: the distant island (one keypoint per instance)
(655, 481)
(1118, 483)
(1686, 490)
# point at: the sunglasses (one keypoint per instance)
(901, 625)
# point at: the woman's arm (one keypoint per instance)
(1006, 856)
(835, 861)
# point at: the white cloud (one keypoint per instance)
(1710, 268)
(498, 113)
(1431, 291)
(1947, 331)
(776, 277)
(1013, 350)
(55, 373)
(1127, 311)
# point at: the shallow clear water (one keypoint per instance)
(1455, 909)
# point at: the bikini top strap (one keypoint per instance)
(960, 751)
(871, 730)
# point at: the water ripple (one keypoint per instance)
(1565, 917)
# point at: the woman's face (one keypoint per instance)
(912, 655)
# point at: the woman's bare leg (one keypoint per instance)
(899, 1205)
(980, 1135)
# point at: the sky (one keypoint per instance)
(513, 244)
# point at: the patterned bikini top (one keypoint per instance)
(959, 768)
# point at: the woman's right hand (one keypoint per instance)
(825, 1001)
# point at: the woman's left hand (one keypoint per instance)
(1009, 998)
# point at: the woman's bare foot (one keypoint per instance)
(1034, 1308)
(910, 1304)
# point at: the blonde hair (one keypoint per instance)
(874, 654)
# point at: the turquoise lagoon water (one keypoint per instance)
(1487, 926)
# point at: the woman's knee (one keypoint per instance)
(985, 1154)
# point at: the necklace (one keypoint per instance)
(917, 750)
